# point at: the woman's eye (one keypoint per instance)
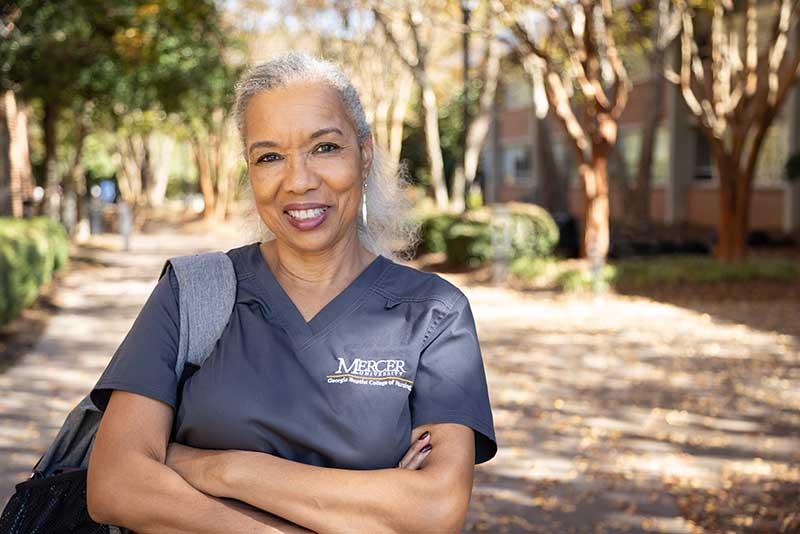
(327, 147)
(272, 156)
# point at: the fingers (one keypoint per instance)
(417, 453)
(416, 461)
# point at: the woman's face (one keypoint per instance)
(305, 164)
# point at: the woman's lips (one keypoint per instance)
(308, 224)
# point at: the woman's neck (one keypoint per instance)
(332, 268)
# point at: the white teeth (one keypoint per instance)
(306, 214)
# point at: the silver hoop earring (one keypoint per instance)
(364, 204)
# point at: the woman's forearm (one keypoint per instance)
(282, 525)
(148, 497)
(329, 500)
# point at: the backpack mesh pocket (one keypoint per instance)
(55, 504)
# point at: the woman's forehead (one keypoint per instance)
(300, 108)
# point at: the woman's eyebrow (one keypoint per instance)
(324, 131)
(262, 144)
(318, 133)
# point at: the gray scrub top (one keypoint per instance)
(396, 349)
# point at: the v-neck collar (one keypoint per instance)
(283, 309)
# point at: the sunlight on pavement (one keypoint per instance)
(625, 407)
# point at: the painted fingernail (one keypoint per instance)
(426, 448)
(424, 435)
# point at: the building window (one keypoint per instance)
(630, 139)
(704, 164)
(516, 164)
(775, 151)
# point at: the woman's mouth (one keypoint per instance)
(307, 219)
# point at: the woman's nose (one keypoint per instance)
(300, 177)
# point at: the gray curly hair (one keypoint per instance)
(389, 230)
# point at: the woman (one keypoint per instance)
(347, 392)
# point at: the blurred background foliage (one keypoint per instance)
(139, 92)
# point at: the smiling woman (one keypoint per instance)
(347, 392)
(306, 166)
(388, 230)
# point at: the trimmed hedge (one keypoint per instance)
(31, 250)
(467, 238)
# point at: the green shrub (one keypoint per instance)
(535, 231)
(433, 231)
(474, 198)
(532, 233)
(534, 268)
(468, 243)
(30, 251)
(582, 280)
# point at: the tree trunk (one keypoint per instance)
(477, 129)
(21, 156)
(161, 148)
(399, 111)
(74, 181)
(6, 180)
(17, 175)
(595, 205)
(644, 172)
(52, 200)
(381, 121)
(434, 146)
(554, 190)
(146, 172)
(734, 214)
(205, 179)
(130, 150)
(457, 195)
(622, 178)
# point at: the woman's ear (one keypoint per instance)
(366, 156)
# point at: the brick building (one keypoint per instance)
(684, 182)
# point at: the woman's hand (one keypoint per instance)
(417, 453)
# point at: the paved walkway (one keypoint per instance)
(627, 415)
(622, 415)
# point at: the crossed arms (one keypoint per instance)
(137, 480)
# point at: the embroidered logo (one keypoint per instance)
(371, 373)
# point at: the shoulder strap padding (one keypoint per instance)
(206, 294)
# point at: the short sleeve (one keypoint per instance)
(144, 362)
(450, 384)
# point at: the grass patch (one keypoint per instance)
(673, 270)
(656, 271)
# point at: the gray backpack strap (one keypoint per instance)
(73, 443)
(207, 292)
